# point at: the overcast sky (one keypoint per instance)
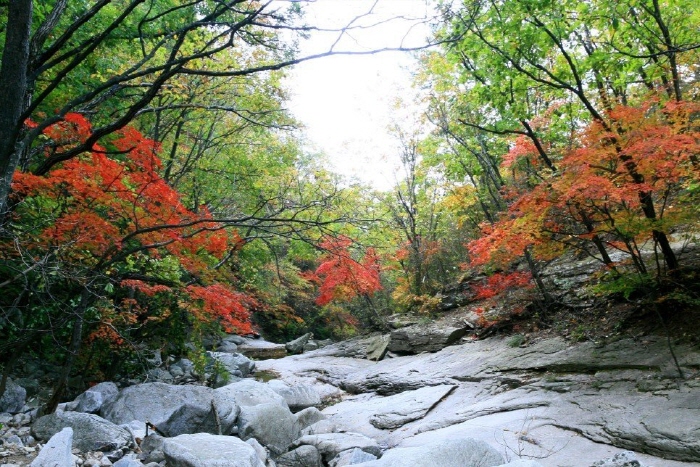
(346, 102)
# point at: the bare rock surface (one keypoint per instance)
(465, 452)
(424, 338)
(174, 410)
(369, 414)
(205, 450)
(90, 432)
(260, 349)
(13, 398)
(57, 451)
(552, 401)
(272, 424)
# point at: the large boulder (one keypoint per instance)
(332, 444)
(273, 425)
(464, 452)
(90, 432)
(367, 414)
(261, 350)
(297, 345)
(234, 364)
(174, 410)
(206, 450)
(249, 392)
(309, 416)
(378, 347)
(303, 456)
(230, 343)
(352, 456)
(298, 397)
(14, 397)
(424, 338)
(92, 400)
(57, 451)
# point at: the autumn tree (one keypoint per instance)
(572, 62)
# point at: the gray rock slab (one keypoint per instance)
(485, 359)
(260, 450)
(424, 338)
(596, 399)
(332, 444)
(92, 400)
(172, 409)
(366, 414)
(260, 349)
(57, 451)
(309, 416)
(303, 456)
(90, 432)
(272, 424)
(378, 347)
(297, 345)
(351, 457)
(298, 396)
(321, 427)
(14, 397)
(206, 450)
(248, 392)
(654, 424)
(128, 462)
(465, 452)
(532, 433)
(235, 364)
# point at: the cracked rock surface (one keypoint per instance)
(558, 403)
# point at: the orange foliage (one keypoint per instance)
(499, 283)
(96, 210)
(650, 150)
(219, 303)
(343, 278)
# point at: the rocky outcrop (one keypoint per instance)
(13, 398)
(551, 400)
(332, 444)
(424, 338)
(464, 452)
(226, 367)
(259, 349)
(90, 432)
(174, 410)
(57, 451)
(297, 345)
(92, 400)
(206, 450)
(272, 424)
(303, 456)
(298, 396)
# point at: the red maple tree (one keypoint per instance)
(341, 278)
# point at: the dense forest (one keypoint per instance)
(154, 189)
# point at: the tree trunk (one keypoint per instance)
(75, 343)
(13, 89)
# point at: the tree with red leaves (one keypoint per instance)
(601, 192)
(341, 277)
(105, 227)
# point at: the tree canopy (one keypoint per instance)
(154, 188)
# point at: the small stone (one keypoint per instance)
(14, 439)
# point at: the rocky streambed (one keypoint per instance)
(476, 403)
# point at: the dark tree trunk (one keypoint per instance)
(13, 89)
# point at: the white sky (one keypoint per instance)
(346, 102)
